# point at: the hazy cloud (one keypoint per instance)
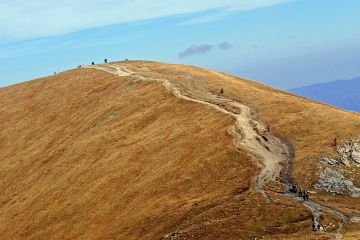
(225, 46)
(196, 50)
(203, 49)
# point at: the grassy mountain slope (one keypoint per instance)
(89, 155)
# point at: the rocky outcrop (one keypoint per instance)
(334, 182)
(348, 154)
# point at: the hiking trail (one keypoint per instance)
(249, 135)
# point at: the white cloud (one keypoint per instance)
(21, 19)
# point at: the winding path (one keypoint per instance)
(249, 135)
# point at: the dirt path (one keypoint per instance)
(316, 209)
(249, 135)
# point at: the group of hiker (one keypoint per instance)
(297, 190)
(105, 61)
(93, 63)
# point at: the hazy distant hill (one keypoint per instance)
(344, 94)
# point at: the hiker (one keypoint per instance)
(314, 227)
(221, 91)
(318, 227)
(105, 60)
(92, 63)
(300, 192)
(305, 195)
(335, 142)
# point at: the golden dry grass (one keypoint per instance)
(310, 127)
(88, 155)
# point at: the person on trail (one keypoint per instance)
(294, 189)
(268, 129)
(318, 227)
(221, 91)
(92, 63)
(105, 60)
(335, 142)
(305, 195)
(300, 192)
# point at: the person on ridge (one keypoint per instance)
(105, 61)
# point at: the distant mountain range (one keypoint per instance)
(344, 93)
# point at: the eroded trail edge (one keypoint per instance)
(249, 135)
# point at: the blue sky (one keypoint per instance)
(283, 43)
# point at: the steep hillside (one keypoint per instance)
(144, 150)
(343, 94)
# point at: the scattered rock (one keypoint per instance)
(329, 161)
(355, 156)
(349, 153)
(334, 182)
(355, 220)
(173, 235)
